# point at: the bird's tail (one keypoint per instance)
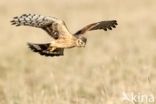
(43, 49)
(31, 20)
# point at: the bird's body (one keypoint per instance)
(57, 29)
(65, 42)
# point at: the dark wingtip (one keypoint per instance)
(24, 15)
(105, 29)
(13, 23)
(115, 22)
(110, 28)
(114, 26)
(31, 46)
(15, 17)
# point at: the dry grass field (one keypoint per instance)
(113, 62)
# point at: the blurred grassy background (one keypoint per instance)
(112, 62)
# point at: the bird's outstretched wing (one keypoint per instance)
(53, 26)
(105, 25)
(42, 49)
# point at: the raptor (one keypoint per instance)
(57, 29)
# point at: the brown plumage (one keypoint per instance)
(61, 37)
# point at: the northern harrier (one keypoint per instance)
(61, 37)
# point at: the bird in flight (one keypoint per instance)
(57, 29)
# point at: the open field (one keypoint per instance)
(113, 62)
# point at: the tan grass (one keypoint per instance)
(120, 60)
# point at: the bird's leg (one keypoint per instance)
(51, 48)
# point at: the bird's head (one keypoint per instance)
(81, 42)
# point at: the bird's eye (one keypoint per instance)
(82, 43)
(55, 34)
